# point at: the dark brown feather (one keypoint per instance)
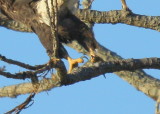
(70, 27)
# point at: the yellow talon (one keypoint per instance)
(73, 63)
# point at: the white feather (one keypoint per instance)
(42, 8)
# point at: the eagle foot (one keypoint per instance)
(74, 63)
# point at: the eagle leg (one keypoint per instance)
(73, 63)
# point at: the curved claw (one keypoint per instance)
(84, 57)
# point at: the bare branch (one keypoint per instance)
(53, 21)
(151, 22)
(26, 66)
(120, 16)
(14, 76)
(25, 88)
(3, 68)
(138, 78)
(23, 75)
(93, 16)
(59, 66)
(22, 106)
(87, 4)
(89, 71)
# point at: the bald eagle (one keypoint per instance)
(33, 13)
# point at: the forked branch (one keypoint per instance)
(89, 71)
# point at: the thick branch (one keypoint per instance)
(115, 16)
(120, 16)
(15, 90)
(87, 72)
(139, 79)
(118, 65)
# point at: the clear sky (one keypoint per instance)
(99, 95)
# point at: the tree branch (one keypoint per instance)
(26, 66)
(90, 70)
(119, 16)
(24, 88)
(22, 106)
(93, 16)
(138, 78)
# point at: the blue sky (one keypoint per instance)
(99, 95)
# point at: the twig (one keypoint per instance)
(53, 16)
(26, 66)
(3, 68)
(14, 76)
(157, 111)
(28, 74)
(87, 4)
(22, 106)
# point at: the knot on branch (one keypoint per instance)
(126, 13)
